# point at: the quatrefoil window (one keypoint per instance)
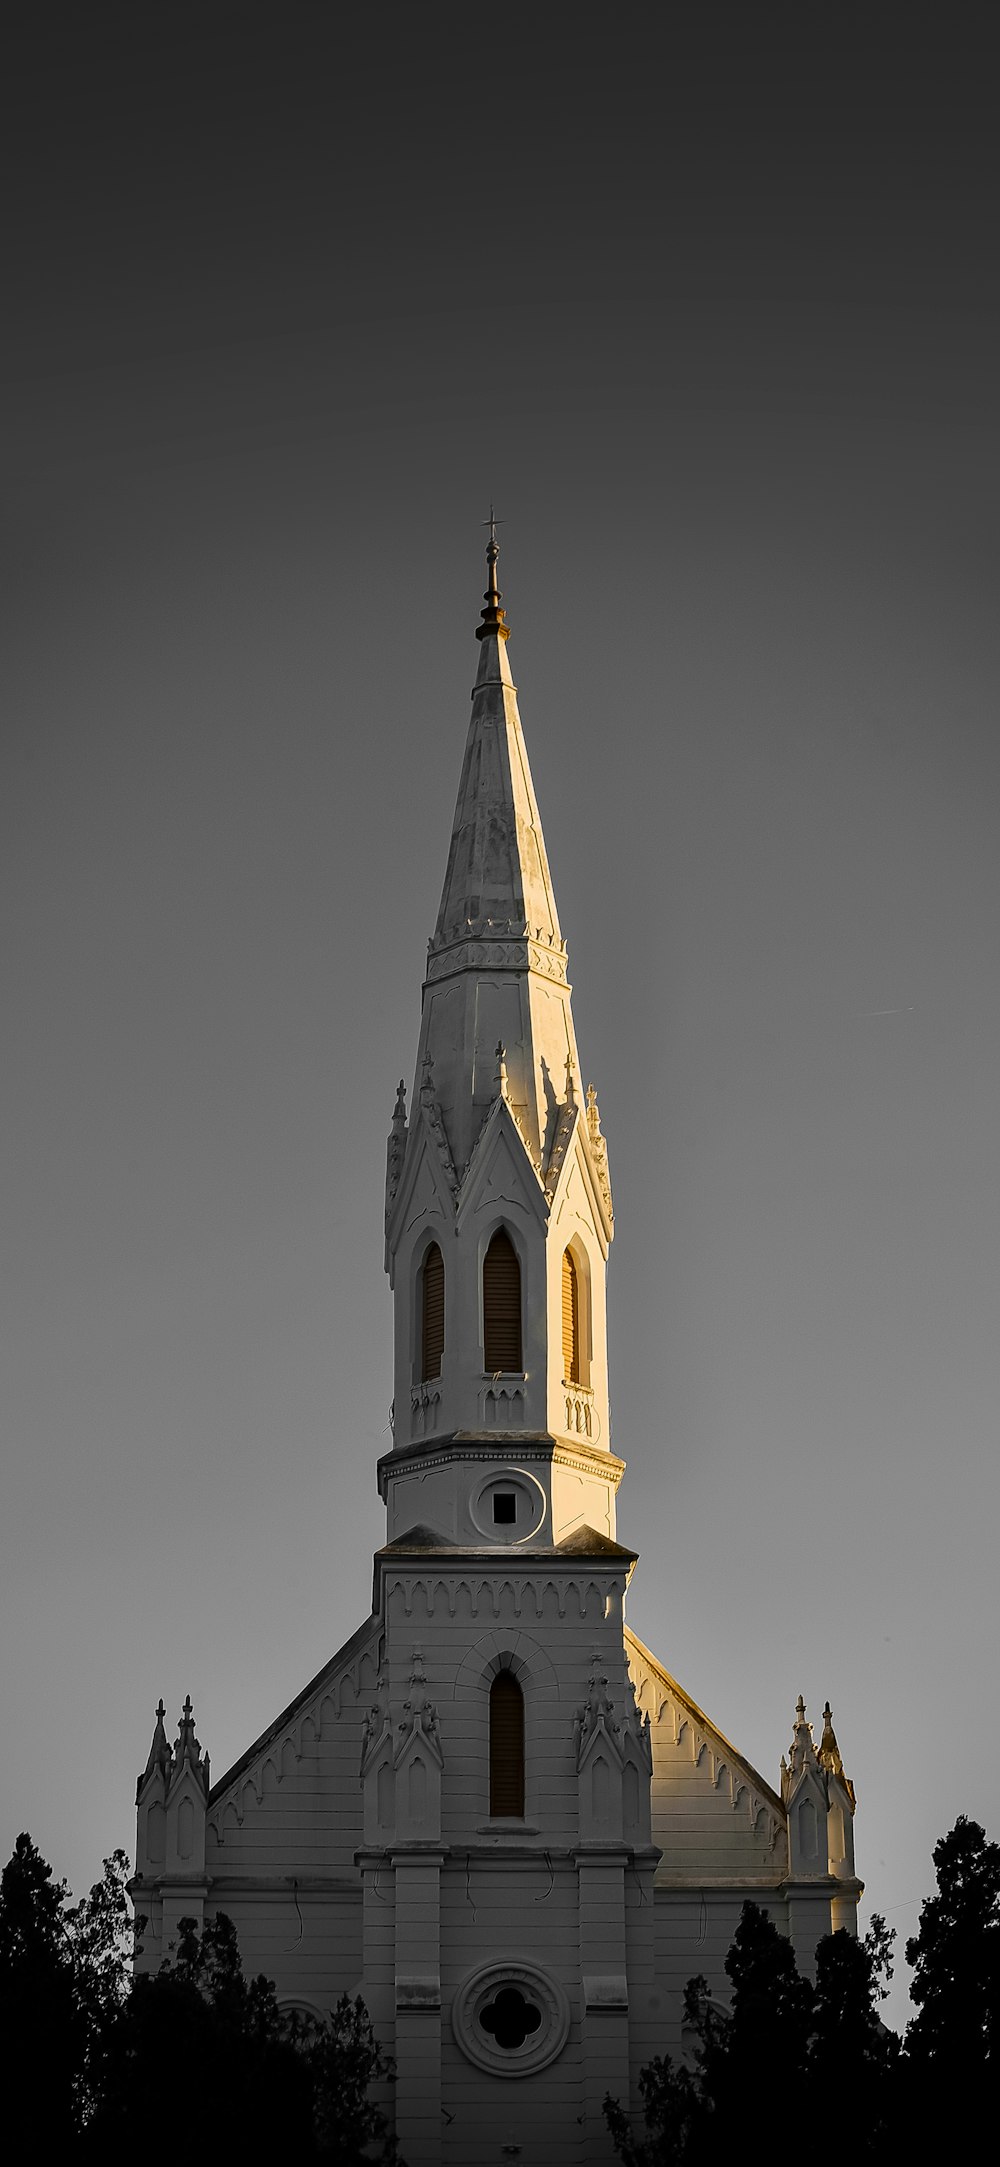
(510, 2018)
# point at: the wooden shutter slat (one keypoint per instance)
(501, 1306)
(432, 1336)
(506, 1746)
(570, 1320)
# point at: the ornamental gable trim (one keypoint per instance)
(349, 1677)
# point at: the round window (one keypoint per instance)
(510, 2018)
(507, 1508)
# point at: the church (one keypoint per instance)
(494, 1813)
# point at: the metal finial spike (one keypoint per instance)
(492, 615)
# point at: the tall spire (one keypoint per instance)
(498, 1147)
(497, 926)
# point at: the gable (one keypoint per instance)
(501, 1174)
(424, 1196)
(573, 1187)
(712, 1814)
(293, 1799)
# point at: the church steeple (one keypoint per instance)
(498, 1205)
(496, 964)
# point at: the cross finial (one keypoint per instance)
(492, 615)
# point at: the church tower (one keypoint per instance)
(502, 1580)
(498, 1203)
(493, 1812)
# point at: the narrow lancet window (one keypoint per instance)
(431, 1313)
(501, 1306)
(570, 1320)
(506, 1747)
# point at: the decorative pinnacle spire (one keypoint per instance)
(492, 615)
(829, 1751)
(159, 1752)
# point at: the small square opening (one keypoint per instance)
(504, 1508)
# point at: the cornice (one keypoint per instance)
(478, 1446)
(498, 950)
(501, 1557)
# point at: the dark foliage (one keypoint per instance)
(103, 2064)
(782, 2051)
(250, 2074)
(42, 2026)
(794, 2053)
(953, 2042)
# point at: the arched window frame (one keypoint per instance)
(423, 1374)
(493, 1368)
(580, 1261)
(506, 1746)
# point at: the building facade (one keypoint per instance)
(494, 1813)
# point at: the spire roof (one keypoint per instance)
(497, 880)
(496, 962)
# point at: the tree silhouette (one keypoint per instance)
(953, 2042)
(99, 2060)
(852, 2059)
(42, 2024)
(783, 2048)
(251, 2074)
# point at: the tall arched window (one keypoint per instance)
(431, 1313)
(570, 1320)
(506, 1746)
(501, 1305)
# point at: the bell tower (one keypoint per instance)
(498, 1201)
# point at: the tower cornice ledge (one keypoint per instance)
(498, 948)
(824, 1884)
(516, 1447)
(587, 1546)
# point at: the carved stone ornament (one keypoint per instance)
(396, 1148)
(419, 1716)
(596, 1713)
(435, 1122)
(487, 955)
(376, 1721)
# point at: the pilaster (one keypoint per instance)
(417, 1871)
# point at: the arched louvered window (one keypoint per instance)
(432, 1313)
(506, 1746)
(501, 1305)
(570, 1319)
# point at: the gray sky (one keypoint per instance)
(710, 310)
